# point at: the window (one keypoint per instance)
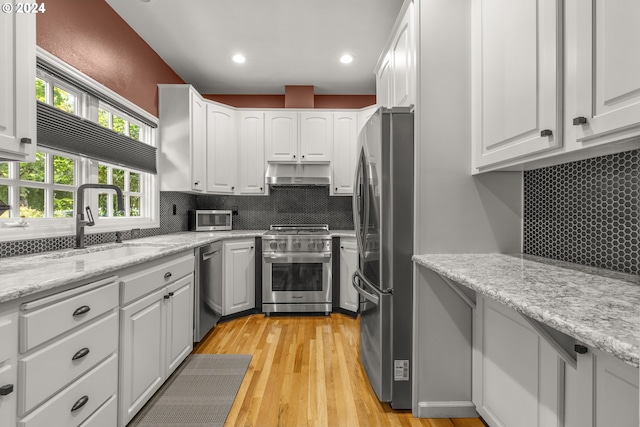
(44, 192)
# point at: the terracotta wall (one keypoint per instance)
(92, 37)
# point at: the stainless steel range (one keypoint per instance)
(296, 269)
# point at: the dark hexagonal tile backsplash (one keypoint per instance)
(585, 212)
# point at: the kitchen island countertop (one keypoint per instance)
(600, 308)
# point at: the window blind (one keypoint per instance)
(67, 132)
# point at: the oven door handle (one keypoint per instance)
(296, 258)
(355, 279)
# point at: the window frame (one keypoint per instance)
(86, 169)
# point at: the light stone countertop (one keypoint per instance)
(601, 308)
(29, 274)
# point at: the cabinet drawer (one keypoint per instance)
(105, 416)
(99, 385)
(38, 325)
(51, 368)
(139, 284)
(8, 338)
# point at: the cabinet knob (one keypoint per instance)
(167, 275)
(80, 403)
(336, 188)
(303, 156)
(170, 294)
(6, 389)
(82, 310)
(196, 183)
(167, 297)
(80, 353)
(294, 156)
(260, 188)
(579, 121)
(581, 349)
(546, 132)
(25, 140)
(233, 188)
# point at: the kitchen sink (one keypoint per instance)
(108, 253)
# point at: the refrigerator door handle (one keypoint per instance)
(369, 296)
(358, 185)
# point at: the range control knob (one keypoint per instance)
(312, 245)
(297, 245)
(273, 245)
(282, 245)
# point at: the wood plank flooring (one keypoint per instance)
(305, 371)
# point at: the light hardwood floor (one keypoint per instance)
(305, 371)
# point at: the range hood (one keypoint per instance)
(307, 174)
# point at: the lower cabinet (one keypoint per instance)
(348, 265)
(156, 333)
(8, 367)
(238, 291)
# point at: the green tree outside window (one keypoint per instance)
(41, 90)
(4, 196)
(33, 171)
(31, 202)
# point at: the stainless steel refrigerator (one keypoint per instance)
(383, 218)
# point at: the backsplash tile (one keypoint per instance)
(285, 205)
(169, 223)
(585, 212)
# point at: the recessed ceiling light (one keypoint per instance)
(346, 58)
(240, 59)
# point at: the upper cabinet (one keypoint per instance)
(17, 85)
(182, 156)
(298, 136)
(604, 83)
(345, 144)
(396, 70)
(553, 84)
(252, 166)
(222, 146)
(516, 79)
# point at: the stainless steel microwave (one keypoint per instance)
(210, 220)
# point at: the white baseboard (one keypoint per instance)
(454, 409)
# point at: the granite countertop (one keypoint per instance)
(598, 307)
(29, 274)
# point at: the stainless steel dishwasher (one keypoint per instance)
(208, 290)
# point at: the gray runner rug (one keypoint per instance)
(199, 393)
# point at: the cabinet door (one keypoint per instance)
(17, 85)
(252, 152)
(516, 78)
(316, 137)
(348, 265)
(517, 375)
(222, 166)
(403, 60)
(345, 143)
(8, 369)
(179, 322)
(142, 352)
(607, 70)
(198, 124)
(384, 92)
(281, 136)
(239, 276)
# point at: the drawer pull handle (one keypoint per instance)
(82, 310)
(80, 403)
(80, 353)
(167, 275)
(546, 132)
(579, 121)
(6, 389)
(167, 297)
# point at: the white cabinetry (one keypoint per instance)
(345, 144)
(17, 85)
(252, 164)
(182, 139)
(517, 79)
(517, 376)
(238, 276)
(8, 367)
(156, 331)
(222, 147)
(396, 70)
(68, 360)
(348, 265)
(604, 37)
(297, 137)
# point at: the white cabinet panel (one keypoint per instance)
(8, 366)
(179, 322)
(316, 136)
(516, 79)
(345, 143)
(348, 265)
(17, 85)
(403, 57)
(252, 166)
(198, 142)
(384, 91)
(281, 136)
(239, 276)
(222, 147)
(615, 392)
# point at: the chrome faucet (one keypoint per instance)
(80, 221)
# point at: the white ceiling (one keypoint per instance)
(286, 42)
